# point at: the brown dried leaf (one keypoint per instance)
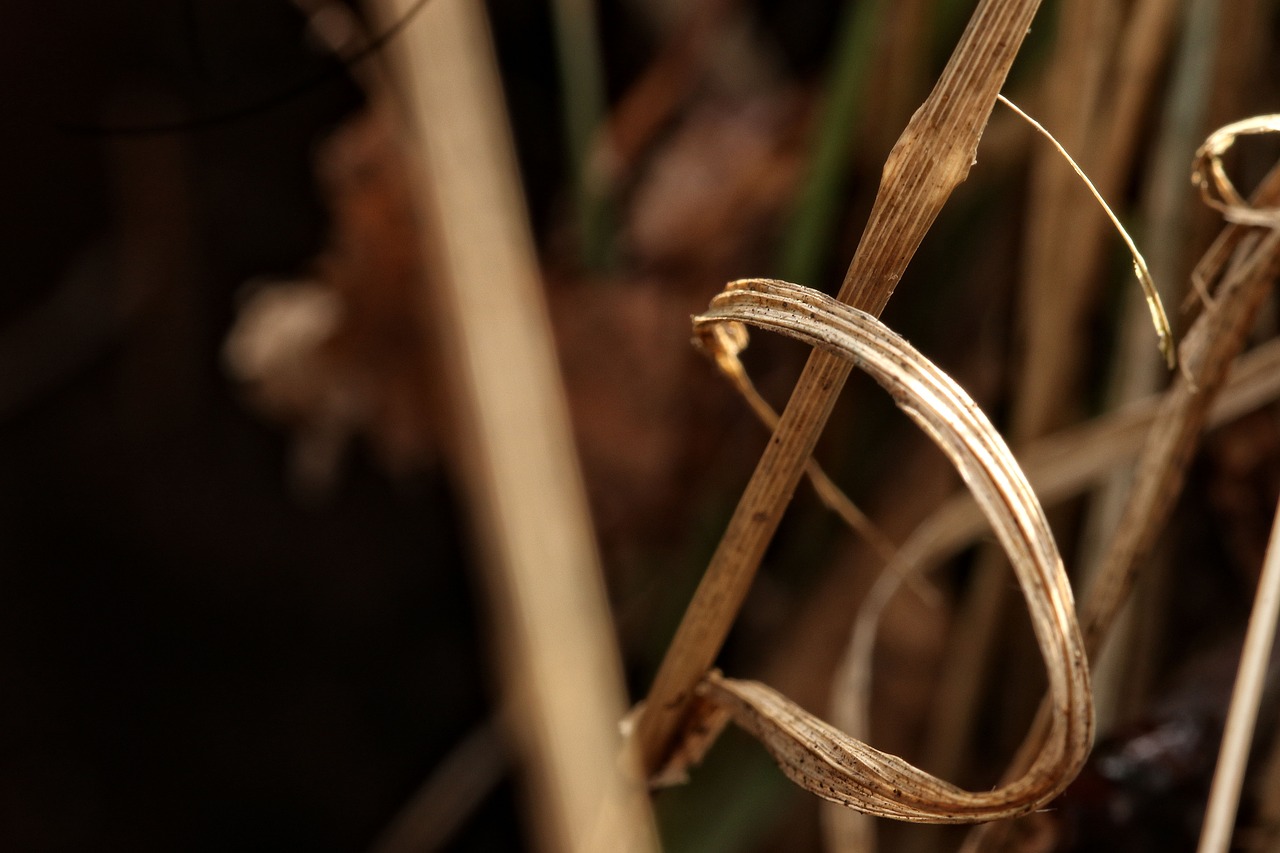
(814, 754)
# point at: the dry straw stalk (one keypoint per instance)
(561, 673)
(1228, 778)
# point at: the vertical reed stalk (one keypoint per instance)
(1224, 796)
(561, 676)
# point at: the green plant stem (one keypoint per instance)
(814, 219)
(582, 81)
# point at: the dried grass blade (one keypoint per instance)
(1224, 795)
(1149, 290)
(812, 753)
(1058, 467)
(1162, 466)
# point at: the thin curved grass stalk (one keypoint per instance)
(1224, 795)
(1158, 318)
(1107, 61)
(814, 754)
(1123, 674)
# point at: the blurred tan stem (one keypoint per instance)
(449, 797)
(561, 676)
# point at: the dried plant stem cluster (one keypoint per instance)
(1161, 433)
(688, 699)
(841, 768)
(1224, 796)
(815, 755)
(544, 579)
(931, 158)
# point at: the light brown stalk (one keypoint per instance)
(1224, 795)
(560, 668)
(1074, 86)
(931, 158)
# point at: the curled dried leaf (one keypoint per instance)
(1210, 176)
(814, 754)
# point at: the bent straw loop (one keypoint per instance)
(1208, 174)
(814, 754)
